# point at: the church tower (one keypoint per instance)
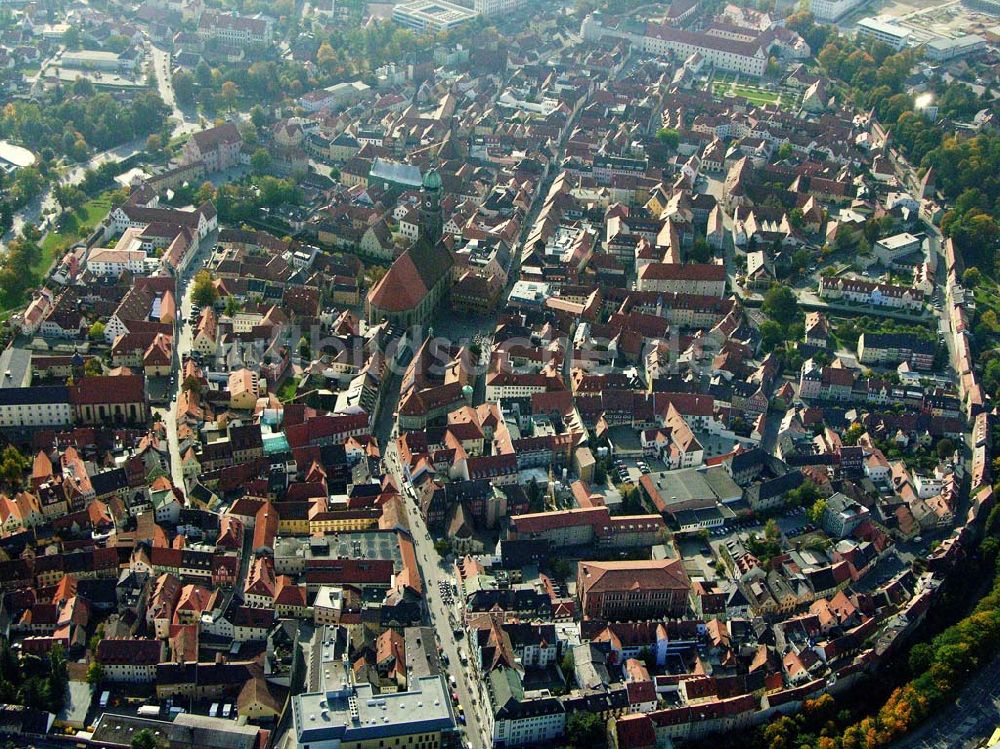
(431, 219)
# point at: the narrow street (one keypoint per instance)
(182, 349)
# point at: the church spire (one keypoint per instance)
(431, 218)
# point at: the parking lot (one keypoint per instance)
(629, 470)
(795, 523)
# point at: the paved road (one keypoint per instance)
(433, 570)
(442, 616)
(183, 124)
(181, 349)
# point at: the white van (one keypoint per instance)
(214, 710)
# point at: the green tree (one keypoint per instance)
(184, 86)
(648, 658)
(853, 433)
(228, 93)
(258, 116)
(71, 37)
(772, 532)
(260, 162)
(536, 496)
(28, 183)
(817, 511)
(945, 448)
(567, 664)
(204, 292)
(95, 673)
(585, 729)
(203, 74)
(971, 277)
(442, 546)
(668, 137)
(144, 739)
(93, 367)
(69, 197)
(700, 251)
(13, 466)
(785, 151)
(772, 335)
(116, 43)
(921, 657)
(206, 192)
(96, 332)
(561, 569)
(781, 304)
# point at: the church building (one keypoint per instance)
(418, 279)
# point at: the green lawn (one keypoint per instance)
(69, 231)
(987, 296)
(751, 93)
(287, 390)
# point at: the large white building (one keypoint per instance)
(736, 55)
(832, 10)
(340, 713)
(496, 7)
(112, 261)
(518, 718)
(436, 15)
(940, 50)
(234, 30)
(38, 406)
(890, 33)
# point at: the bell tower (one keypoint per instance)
(431, 219)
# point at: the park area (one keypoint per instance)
(71, 228)
(27, 262)
(728, 86)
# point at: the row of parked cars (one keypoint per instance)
(622, 470)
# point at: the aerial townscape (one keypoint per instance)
(473, 374)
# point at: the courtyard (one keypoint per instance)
(728, 85)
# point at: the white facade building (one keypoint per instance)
(832, 10)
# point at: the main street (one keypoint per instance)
(470, 689)
(433, 572)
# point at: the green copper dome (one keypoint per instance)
(432, 180)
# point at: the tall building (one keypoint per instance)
(431, 217)
(496, 7)
(418, 279)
